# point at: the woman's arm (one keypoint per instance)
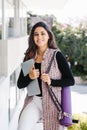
(23, 81)
(67, 78)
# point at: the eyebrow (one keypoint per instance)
(40, 32)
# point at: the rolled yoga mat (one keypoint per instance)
(66, 106)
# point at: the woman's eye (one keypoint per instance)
(42, 33)
(35, 34)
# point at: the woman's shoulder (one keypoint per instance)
(60, 55)
(52, 50)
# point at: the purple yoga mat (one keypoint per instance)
(66, 106)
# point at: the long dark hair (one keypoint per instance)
(32, 48)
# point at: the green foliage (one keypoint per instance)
(74, 127)
(73, 42)
(82, 125)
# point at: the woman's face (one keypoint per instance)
(41, 37)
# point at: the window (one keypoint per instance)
(23, 20)
(9, 17)
(14, 93)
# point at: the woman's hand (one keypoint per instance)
(34, 73)
(46, 78)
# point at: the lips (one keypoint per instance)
(39, 41)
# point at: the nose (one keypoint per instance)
(39, 36)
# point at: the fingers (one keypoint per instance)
(46, 78)
(34, 73)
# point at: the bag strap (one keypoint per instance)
(51, 93)
(54, 98)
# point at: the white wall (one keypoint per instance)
(4, 101)
(0, 56)
(12, 54)
(10, 59)
(4, 92)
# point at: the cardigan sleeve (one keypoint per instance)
(67, 78)
(23, 81)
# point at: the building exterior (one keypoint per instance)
(13, 43)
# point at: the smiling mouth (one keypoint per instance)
(39, 41)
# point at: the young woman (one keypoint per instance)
(41, 47)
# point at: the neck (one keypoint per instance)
(41, 51)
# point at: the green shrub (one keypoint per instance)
(82, 124)
(74, 127)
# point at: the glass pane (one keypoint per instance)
(12, 95)
(23, 20)
(9, 16)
